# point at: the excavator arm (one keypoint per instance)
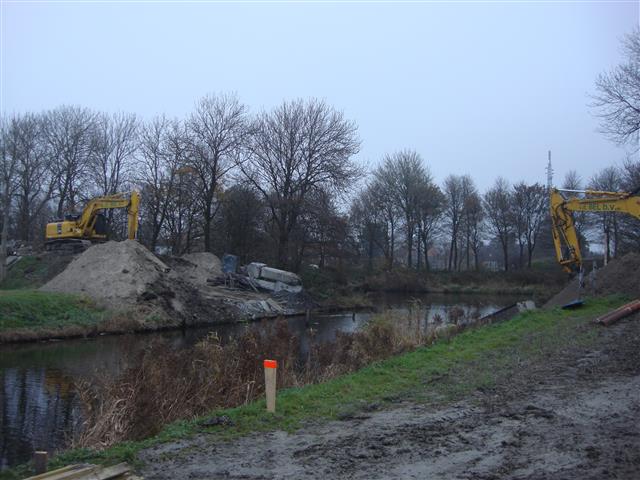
(565, 237)
(87, 220)
(82, 230)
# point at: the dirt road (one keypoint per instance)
(575, 414)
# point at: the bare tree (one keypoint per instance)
(295, 149)
(115, 141)
(429, 209)
(34, 180)
(403, 176)
(629, 226)
(498, 208)
(369, 220)
(217, 131)
(617, 101)
(9, 145)
(608, 180)
(454, 193)
(573, 181)
(529, 212)
(241, 223)
(470, 205)
(160, 155)
(69, 132)
(384, 203)
(474, 221)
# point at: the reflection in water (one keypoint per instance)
(40, 410)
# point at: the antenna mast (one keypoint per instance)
(549, 174)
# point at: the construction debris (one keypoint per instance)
(187, 290)
(619, 313)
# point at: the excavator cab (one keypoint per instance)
(101, 225)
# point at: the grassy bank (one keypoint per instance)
(26, 314)
(353, 287)
(446, 371)
(32, 315)
(33, 271)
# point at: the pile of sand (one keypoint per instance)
(196, 268)
(122, 275)
(113, 273)
(620, 276)
(126, 276)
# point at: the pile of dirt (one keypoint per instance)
(620, 276)
(196, 268)
(115, 273)
(164, 292)
(123, 275)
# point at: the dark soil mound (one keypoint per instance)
(621, 276)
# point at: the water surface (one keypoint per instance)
(39, 408)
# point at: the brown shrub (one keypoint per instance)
(162, 385)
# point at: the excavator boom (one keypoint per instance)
(565, 237)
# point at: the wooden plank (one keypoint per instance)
(67, 473)
(114, 471)
(52, 472)
(88, 472)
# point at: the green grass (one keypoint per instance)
(33, 309)
(444, 372)
(28, 272)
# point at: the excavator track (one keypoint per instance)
(67, 245)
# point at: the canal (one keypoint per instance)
(39, 408)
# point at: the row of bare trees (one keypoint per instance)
(219, 179)
(402, 201)
(273, 187)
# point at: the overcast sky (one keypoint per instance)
(484, 88)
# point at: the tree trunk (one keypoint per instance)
(370, 251)
(409, 244)
(505, 252)
(283, 243)
(418, 259)
(427, 265)
(4, 236)
(393, 245)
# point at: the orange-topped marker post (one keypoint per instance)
(270, 367)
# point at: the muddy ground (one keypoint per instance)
(573, 415)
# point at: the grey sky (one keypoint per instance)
(484, 89)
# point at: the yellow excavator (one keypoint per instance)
(565, 238)
(77, 231)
